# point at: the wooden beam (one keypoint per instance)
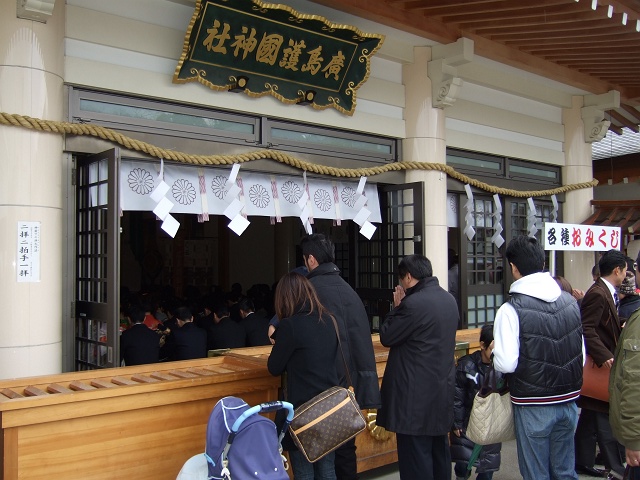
(503, 49)
(624, 121)
(516, 12)
(616, 130)
(569, 24)
(631, 111)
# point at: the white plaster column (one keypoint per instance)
(425, 142)
(31, 166)
(577, 207)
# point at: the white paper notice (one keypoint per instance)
(368, 229)
(308, 228)
(239, 224)
(28, 254)
(170, 225)
(160, 191)
(232, 211)
(163, 208)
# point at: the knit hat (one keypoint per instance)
(628, 286)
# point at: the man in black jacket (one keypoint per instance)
(188, 341)
(355, 335)
(139, 344)
(419, 379)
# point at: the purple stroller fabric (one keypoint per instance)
(255, 450)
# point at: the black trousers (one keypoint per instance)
(594, 426)
(346, 462)
(423, 457)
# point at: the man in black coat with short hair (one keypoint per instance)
(419, 379)
(224, 332)
(255, 325)
(188, 341)
(139, 344)
(345, 305)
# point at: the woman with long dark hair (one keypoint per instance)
(306, 348)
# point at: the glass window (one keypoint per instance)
(482, 164)
(310, 139)
(163, 116)
(329, 141)
(534, 171)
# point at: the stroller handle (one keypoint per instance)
(262, 408)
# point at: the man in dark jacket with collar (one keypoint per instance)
(602, 327)
(419, 380)
(139, 345)
(188, 341)
(355, 335)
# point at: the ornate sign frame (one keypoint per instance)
(267, 49)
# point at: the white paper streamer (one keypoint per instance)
(163, 205)
(304, 204)
(202, 183)
(276, 201)
(532, 229)
(368, 229)
(182, 186)
(497, 238)
(239, 224)
(469, 231)
(306, 187)
(554, 211)
(336, 202)
(170, 225)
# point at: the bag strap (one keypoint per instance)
(344, 359)
(490, 383)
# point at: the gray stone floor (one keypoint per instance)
(508, 470)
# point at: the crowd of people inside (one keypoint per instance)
(188, 328)
(538, 344)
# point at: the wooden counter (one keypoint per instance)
(470, 336)
(375, 448)
(144, 422)
(138, 422)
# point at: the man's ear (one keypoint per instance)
(311, 260)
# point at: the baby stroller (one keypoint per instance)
(243, 444)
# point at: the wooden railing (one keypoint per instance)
(143, 422)
(132, 422)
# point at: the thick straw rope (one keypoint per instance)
(281, 157)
